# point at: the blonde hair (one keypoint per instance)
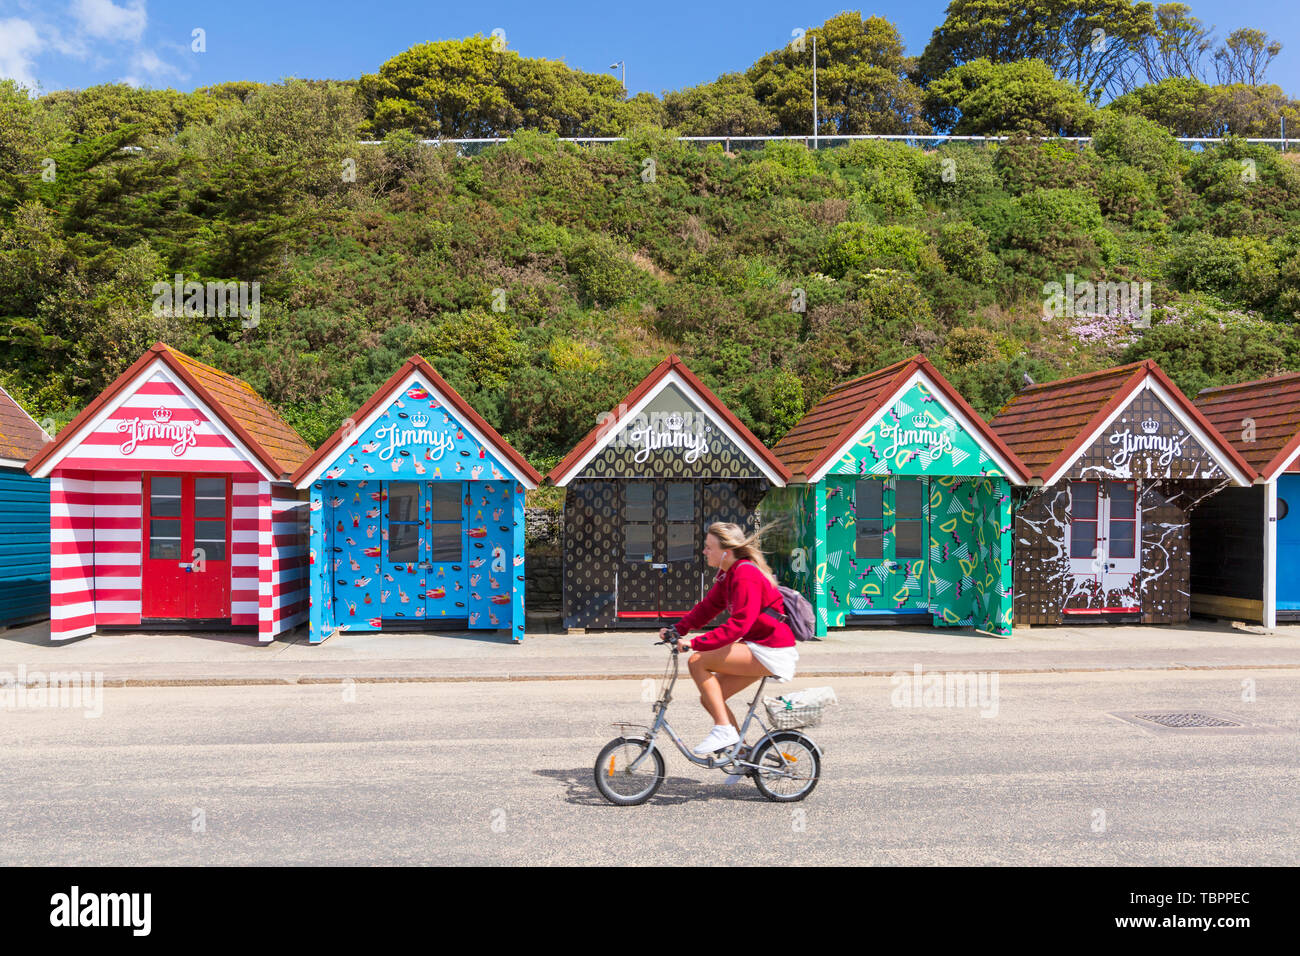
(732, 537)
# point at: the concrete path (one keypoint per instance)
(143, 659)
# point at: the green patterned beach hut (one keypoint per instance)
(900, 505)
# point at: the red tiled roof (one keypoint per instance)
(1273, 404)
(620, 411)
(333, 446)
(258, 426)
(842, 414)
(20, 436)
(1048, 425)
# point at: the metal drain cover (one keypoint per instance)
(1196, 722)
(1188, 720)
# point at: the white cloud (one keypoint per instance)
(106, 20)
(19, 43)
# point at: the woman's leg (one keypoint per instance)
(734, 659)
(731, 685)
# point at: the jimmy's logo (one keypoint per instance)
(180, 434)
(922, 432)
(1169, 446)
(102, 909)
(437, 443)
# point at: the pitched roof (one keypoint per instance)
(20, 436)
(563, 471)
(334, 445)
(837, 419)
(1273, 404)
(1049, 425)
(258, 426)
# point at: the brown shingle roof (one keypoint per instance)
(334, 446)
(1273, 404)
(1042, 421)
(1048, 425)
(839, 416)
(20, 436)
(563, 471)
(276, 436)
(266, 435)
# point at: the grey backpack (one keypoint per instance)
(798, 613)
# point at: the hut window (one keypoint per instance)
(869, 503)
(1083, 519)
(908, 541)
(446, 523)
(1123, 519)
(681, 520)
(210, 517)
(165, 504)
(447, 501)
(638, 517)
(403, 521)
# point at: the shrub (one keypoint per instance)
(855, 245)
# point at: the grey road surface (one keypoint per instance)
(501, 773)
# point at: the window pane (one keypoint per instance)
(1083, 500)
(681, 542)
(403, 501)
(907, 498)
(209, 531)
(446, 542)
(871, 545)
(1122, 501)
(165, 486)
(639, 542)
(212, 550)
(447, 500)
(209, 507)
(869, 499)
(907, 539)
(164, 529)
(1083, 539)
(639, 501)
(209, 488)
(165, 548)
(681, 501)
(1121, 539)
(165, 507)
(404, 542)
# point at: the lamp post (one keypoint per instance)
(621, 65)
(814, 91)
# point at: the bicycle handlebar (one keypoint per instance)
(673, 637)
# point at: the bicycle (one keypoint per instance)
(785, 765)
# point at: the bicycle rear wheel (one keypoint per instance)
(627, 788)
(789, 766)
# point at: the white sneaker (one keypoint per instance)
(719, 737)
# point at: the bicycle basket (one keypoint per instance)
(787, 715)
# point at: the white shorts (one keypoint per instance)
(779, 661)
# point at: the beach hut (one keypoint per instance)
(641, 490)
(417, 515)
(24, 519)
(170, 505)
(1246, 541)
(1118, 458)
(900, 503)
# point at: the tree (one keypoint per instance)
(1245, 56)
(1086, 42)
(983, 98)
(1176, 48)
(725, 107)
(861, 78)
(1188, 107)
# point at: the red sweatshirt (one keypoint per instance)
(743, 591)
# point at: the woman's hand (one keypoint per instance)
(682, 642)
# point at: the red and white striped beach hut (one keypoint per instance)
(169, 504)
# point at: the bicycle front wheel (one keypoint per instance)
(788, 767)
(624, 787)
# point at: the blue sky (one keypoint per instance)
(61, 44)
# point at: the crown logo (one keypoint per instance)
(162, 415)
(673, 422)
(1150, 426)
(920, 421)
(419, 419)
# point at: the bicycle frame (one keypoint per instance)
(709, 761)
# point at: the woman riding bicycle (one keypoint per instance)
(753, 642)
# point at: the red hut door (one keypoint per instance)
(186, 562)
